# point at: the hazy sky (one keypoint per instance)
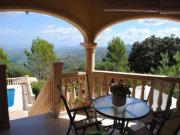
(17, 30)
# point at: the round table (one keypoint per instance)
(134, 109)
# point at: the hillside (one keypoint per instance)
(73, 55)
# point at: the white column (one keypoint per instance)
(90, 56)
(57, 77)
(89, 65)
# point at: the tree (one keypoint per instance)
(3, 57)
(107, 66)
(116, 58)
(15, 70)
(146, 56)
(171, 45)
(164, 69)
(175, 69)
(40, 58)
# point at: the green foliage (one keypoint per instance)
(119, 89)
(74, 68)
(73, 63)
(3, 57)
(163, 69)
(171, 45)
(107, 66)
(175, 69)
(116, 58)
(40, 58)
(37, 86)
(15, 70)
(146, 57)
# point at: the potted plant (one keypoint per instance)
(119, 92)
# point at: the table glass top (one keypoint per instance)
(132, 110)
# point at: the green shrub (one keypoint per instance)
(37, 86)
(15, 70)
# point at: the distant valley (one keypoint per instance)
(69, 55)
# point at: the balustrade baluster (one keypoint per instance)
(92, 83)
(116, 79)
(125, 81)
(49, 92)
(100, 86)
(134, 83)
(169, 98)
(159, 101)
(89, 87)
(66, 95)
(151, 93)
(71, 95)
(80, 79)
(107, 82)
(142, 89)
(178, 100)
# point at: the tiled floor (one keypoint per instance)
(37, 125)
(17, 114)
(46, 125)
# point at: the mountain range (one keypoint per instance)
(69, 55)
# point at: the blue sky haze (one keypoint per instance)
(17, 30)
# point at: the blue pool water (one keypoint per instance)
(10, 94)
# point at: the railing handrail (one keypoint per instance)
(23, 81)
(136, 75)
(39, 106)
(30, 92)
(15, 77)
(48, 98)
(73, 74)
(78, 83)
(12, 81)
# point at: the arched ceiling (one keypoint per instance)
(90, 17)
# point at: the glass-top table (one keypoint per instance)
(134, 109)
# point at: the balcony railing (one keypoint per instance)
(136, 81)
(16, 81)
(76, 89)
(26, 84)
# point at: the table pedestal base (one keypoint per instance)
(118, 124)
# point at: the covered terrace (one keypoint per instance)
(90, 17)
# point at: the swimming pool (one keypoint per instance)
(10, 95)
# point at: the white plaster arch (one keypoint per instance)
(53, 14)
